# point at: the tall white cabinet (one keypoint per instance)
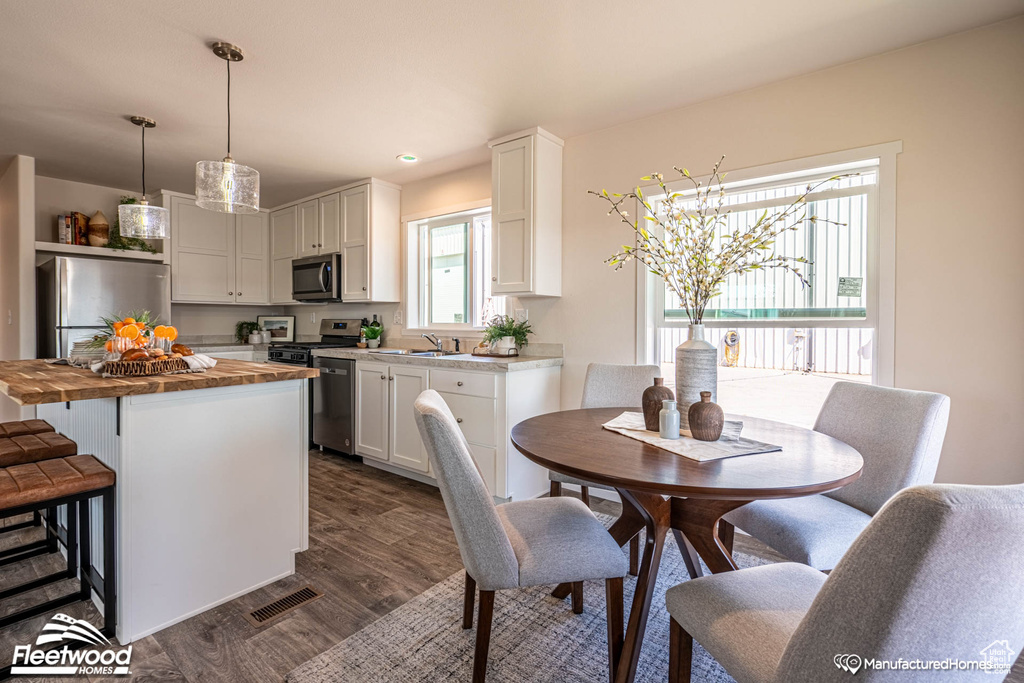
(217, 257)
(526, 214)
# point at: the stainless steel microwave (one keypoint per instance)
(317, 278)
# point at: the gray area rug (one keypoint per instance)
(534, 638)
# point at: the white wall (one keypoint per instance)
(957, 104)
(17, 270)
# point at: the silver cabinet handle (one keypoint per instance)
(459, 420)
(364, 289)
(231, 293)
(239, 294)
(383, 377)
(312, 245)
(494, 279)
(458, 384)
(391, 379)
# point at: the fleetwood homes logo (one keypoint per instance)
(72, 658)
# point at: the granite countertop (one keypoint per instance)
(463, 361)
(32, 382)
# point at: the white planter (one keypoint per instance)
(255, 337)
(372, 343)
(504, 344)
(696, 371)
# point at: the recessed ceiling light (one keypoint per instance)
(408, 158)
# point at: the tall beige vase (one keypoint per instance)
(696, 371)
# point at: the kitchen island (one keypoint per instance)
(212, 491)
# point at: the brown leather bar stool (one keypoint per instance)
(25, 442)
(73, 481)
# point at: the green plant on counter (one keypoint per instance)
(372, 332)
(506, 326)
(123, 243)
(243, 328)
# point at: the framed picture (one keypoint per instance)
(280, 327)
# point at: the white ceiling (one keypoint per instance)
(331, 91)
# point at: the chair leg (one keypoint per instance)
(467, 608)
(85, 547)
(577, 597)
(634, 555)
(726, 531)
(483, 636)
(556, 489)
(585, 495)
(680, 653)
(613, 596)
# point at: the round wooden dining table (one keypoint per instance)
(663, 492)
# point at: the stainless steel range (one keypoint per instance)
(332, 394)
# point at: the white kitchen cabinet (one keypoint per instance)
(217, 257)
(284, 241)
(361, 222)
(372, 409)
(309, 228)
(405, 447)
(526, 214)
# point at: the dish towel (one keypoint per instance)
(199, 362)
(729, 445)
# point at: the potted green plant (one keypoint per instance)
(244, 330)
(504, 333)
(372, 335)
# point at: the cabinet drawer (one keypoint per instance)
(475, 416)
(487, 460)
(466, 383)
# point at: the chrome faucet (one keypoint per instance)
(432, 338)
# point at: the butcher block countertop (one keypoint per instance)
(31, 382)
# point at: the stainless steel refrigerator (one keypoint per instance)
(72, 294)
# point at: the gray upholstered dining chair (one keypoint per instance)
(519, 544)
(899, 434)
(609, 386)
(935, 575)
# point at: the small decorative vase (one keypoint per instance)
(266, 336)
(696, 370)
(98, 230)
(255, 337)
(373, 343)
(651, 401)
(668, 420)
(706, 419)
(504, 345)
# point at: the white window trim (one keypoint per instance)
(410, 286)
(881, 256)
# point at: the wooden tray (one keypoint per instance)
(144, 368)
(497, 355)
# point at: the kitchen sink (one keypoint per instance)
(392, 352)
(436, 354)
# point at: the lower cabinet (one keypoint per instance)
(385, 418)
(486, 406)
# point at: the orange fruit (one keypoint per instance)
(128, 321)
(160, 331)
(109, 346)
(172, 332)
(129, 331)
(117, 326)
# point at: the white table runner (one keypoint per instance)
(729, 445)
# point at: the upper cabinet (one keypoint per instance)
(217, 257)
(526, 214)
(362, 222)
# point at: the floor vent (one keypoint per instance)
(268, 613)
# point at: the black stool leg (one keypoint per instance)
(52, 543)
(109, 563)
(85, 547)
(71, 541)
(37, 519)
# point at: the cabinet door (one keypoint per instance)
(309, 228)
(284, 240)
(252, 265)
(355, 246)
(372, 410)
(330, 224)
(202, 253)
(406, 447)
(512, 217)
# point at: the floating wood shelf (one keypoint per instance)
(78, 250)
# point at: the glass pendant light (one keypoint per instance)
(143, 220)
(224, 185)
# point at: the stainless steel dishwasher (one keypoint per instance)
(334, 403)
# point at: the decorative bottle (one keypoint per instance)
(651, 402)
(669, 420)
(706, 419)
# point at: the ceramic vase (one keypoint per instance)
(651, 402)
(696, 371)
(373, 343)
(706, 419)
(99, 230)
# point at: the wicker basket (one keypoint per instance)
(144, 368)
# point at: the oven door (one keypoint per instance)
(316, 278)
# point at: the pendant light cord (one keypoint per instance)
(229, 107)
(143, 161)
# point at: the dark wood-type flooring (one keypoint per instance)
(376, 540)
